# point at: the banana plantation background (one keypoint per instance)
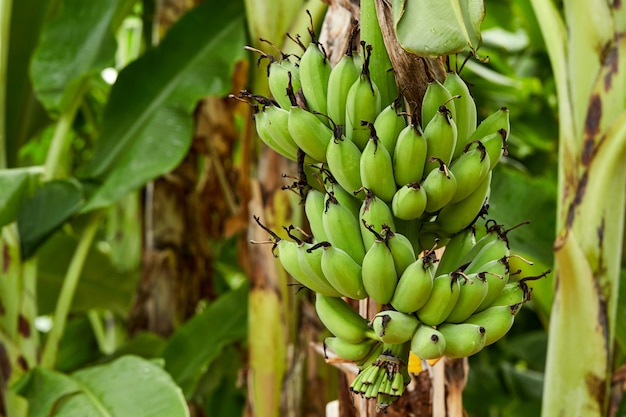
(129, 178)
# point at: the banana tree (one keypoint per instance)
(587, 46)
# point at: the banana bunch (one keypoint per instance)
(380, 191)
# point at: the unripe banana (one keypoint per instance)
(347, 350)
(342, 229)
(441, 136)
(439, 186)
(394, 327)
(414, 286)
(495, 144)
(456, 250)
(457, 216)
(376, 169)
(345, 198)
(493, 232)
(465, 110)
(341, 319)
(428, 343)
(401, 249)
(274, 119)
(496, 281)
(492, 124)
(374, 212)
(409, 202)
(513, 293)
(280, 74)
(463, 339)
(470, 169)
(379, 272)
(435, 96)
(309, 132)
(443, 297)
(314, 73)
(344, 158)
(496, 320)
(314, 207)
(474, 289)
(362, 104)
(311, 264)
(496, 249)
(341, 271)
(409, 155)
(389, 124)
(342, 77)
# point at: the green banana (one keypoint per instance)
(289, 259)
(275, 121)
(345, 198)
(374, 212)
(343, 158)
(495, 249)
(389, 124)
(311, 264)
(441, 136)
(314, 74)
(470, 169)
(495, 283)
(457, 216)
(260, 119)
(456, 249)
(280, 74)
(414, 286)
(342, 228)
(379, 272)
(496, 320)
(492, 124)
(495, 144)
(347, 350)
(512, 293)
(474, 289)
(342, 77)
(307, 130)
(443, 297)
(463, 339)
(409, 156)
(341, 271)
(493, 231)
(341, 319)
(394, 327)
(401, 249)
(314, 209)
(439, 186)
(409, 202)
(363, 103)
(435, 96)
(428, 343)
(465, 110)
(376, 168)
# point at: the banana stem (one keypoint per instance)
(5, 27)
(64, 302)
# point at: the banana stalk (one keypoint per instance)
(590, 219)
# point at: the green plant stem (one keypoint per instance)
(5, 28)
(64, 302)
(61, 141)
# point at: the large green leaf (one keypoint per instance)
(101, 284)
(129, 386)
(24, 115)
(14, 183)
(76, 42)
(200, 340)
(147, 125)
(52, 204)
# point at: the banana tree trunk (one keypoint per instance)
(587, 48)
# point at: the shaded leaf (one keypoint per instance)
(101, 284)
(14, 183)
(129, 386)
(198, 342)
(52, 204)
(147, 125)
(76, 42)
